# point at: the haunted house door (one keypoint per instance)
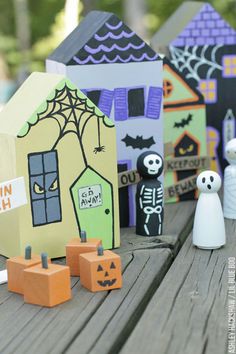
(92, 197)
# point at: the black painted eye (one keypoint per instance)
(99, 268)
(211, 178)
(112, 265)
(150, 162)
(157, 161)
(203, 180)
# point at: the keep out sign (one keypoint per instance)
(12, 194)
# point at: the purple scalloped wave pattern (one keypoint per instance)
(105, 49)
(115, 60)
(113, 27)
(111, 35)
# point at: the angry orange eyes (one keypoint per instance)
(112, 266)
(189, 149)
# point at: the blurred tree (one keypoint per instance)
(23, 35)
(71, 15)
(134, 15)
(46, 18)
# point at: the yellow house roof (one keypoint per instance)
(26, 100)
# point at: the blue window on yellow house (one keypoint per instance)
(44, 188)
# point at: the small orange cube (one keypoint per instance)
(76, 247)
(47, 287)
(15, 270)
(100, 270)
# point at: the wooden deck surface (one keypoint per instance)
(170, 302)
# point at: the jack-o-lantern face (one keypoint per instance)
(101, 270)
(107, 274)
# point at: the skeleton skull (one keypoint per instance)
(153, 163)
(150, 164)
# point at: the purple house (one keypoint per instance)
(202, 45)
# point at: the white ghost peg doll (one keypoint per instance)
(229, 200)
(209, 227)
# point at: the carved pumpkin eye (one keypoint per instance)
(112, 266)
(38, 189)
(54, 186)
(99, 268)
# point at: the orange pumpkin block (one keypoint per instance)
(76, 247)
(16, 267)
(47, 286)
(100, 270)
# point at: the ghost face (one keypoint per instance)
(230, 152)
(209, 182)
(150, 164)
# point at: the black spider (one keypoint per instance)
(99, 149)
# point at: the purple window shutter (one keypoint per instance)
(121, 104)
(105, 101)
(154, 102)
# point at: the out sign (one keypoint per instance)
(90, 197)
(12, 194)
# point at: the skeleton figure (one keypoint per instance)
(149, 196)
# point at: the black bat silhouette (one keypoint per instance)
(138, 142)
(184, 122)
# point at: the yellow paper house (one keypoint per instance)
(65, 149)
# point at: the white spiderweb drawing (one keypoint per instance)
(196, 62)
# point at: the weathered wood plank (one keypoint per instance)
(141, 278)
(99, 322)
(188, 313)
(177, 225)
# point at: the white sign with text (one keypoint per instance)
(12, 194)
(90, 197)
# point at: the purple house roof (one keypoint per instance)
(194, 23)
(207, 27)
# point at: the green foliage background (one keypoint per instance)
(46, 23)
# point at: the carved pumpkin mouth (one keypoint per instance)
(106, 282)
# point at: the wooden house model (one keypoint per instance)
(184, 122)
(122, 75)
(202, 46)
(65, 148)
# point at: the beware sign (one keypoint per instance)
(184, 186)
(12, 194)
